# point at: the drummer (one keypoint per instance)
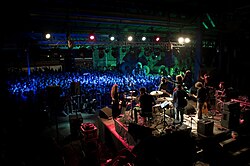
(163, 87)
(146, 102)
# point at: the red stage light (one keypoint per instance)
(92, 37)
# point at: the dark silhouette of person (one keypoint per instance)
(115, 105)
(146, 102)
(188, 79)
(201, 97)
(164, 87)
(180, 97)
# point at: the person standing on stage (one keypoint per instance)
(114, 93)
(188, 80)
(178, 81)
(146, 102)
(201, 98)
(180, 97)
(221, 95)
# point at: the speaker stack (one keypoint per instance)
(75, 122)
(53, 97)
(75, 88)
(230, 115)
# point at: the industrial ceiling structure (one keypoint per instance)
(76, 20)
(223, 26)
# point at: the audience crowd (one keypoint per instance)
(94, 85)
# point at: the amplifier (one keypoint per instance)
(205, 127)
(231, 106)
(75, 122)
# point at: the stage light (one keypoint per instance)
(143, 38)
(205, 25)
(47, 36)
(112, 38)
(181, 40)
(130, 38)
(187, 40)
(157, 38)
(92, 37)
(211, 21)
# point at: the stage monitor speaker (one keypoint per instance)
(229, 119)
(205, 127)
(106, 113)
(75, 122)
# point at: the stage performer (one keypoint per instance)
(146, 102)
(180, 98)
(115, 103)
(164, 87)
(201, 98)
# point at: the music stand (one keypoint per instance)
(164, 105)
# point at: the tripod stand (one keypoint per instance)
(164, 106)
(191, 119)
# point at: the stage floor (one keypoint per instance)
(158, 125)
(115, 132)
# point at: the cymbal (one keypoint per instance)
(156, 93)
(161, 99)
(169, 98)
(130, 97)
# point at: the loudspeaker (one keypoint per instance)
(53, 96)
(75, 88)
(232, 106)
(205, 127)
(229, 119)
(75, 122)
(106, 113)
(230, 115)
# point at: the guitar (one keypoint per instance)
(205, 109)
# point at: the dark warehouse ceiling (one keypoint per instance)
(77, 19)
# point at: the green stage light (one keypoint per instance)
(211, 21)
(204, 24)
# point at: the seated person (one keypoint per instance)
(146, 102)
(164, 85)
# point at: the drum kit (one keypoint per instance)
(163, 99)
(156, 93)
(163, 103)
(133, 101)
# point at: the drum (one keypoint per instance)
(157, 109)
(169, 98)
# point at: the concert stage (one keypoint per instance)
(121, 134)
(162, 133)
(142, 142)
(151, 143)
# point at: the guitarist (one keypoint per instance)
(201, 97)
